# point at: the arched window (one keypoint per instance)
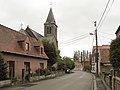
(49, 30)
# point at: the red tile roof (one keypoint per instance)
(10, 42)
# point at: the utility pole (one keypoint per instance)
(96, 55)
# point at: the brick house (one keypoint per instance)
(23, 54)
(105, 65)
(78, 65)
(103, 59)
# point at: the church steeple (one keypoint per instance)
(50, 28)
(50, 18)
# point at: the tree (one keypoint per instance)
(3, 68)
(51, 52)
(115, 53)
(69, 63)
(87, 67)
(76, 55)
(61, 65)
(81, 57)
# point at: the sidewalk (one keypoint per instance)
(99, 84)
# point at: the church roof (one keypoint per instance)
(22, 31)
(50, 18)
(31, 33)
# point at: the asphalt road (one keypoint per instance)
(78, 80)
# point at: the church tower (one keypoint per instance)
(50, 28)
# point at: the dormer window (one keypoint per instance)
(27, 46)
(41, 50)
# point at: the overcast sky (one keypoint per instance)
(75, 20)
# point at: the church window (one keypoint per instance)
(48, 30)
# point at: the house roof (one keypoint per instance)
(10, 42)
(117, 30)
(87, 60)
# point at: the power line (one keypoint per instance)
(103, 13)
(74, 39)
(106, 15)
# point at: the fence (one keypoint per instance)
(112, 80)
(116, 83)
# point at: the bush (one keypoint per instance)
(61, 65)
(3, 68)
(69, 63)
(44, 72)
(87, 67)
(52, 68)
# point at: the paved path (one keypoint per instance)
(76, 81)
(100, 85)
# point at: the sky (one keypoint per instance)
(75, 20)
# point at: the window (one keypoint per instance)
(41, 65)
(41, 50)
(48, 30)
(27, 46)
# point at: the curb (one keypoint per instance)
(94, 83)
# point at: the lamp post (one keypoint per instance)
(96, 55)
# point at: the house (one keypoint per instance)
(78, 65)
(103, 59)
(87, 61)
(105, 65)
(23, 54)
(118, 31)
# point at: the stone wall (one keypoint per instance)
(5, 83)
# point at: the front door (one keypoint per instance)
(27, 70)
(11, 69)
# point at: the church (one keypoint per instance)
(50, 30)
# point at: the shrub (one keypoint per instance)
(3, 68)
(87, 67)
(44, 72)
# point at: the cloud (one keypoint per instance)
(73, 17)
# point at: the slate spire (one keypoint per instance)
(50, 18)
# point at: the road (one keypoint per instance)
(78, 80)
